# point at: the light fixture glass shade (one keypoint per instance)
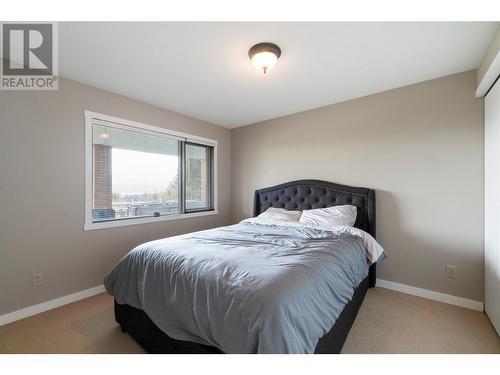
(264, 60)
(264, 55)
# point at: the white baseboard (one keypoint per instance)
(430, 294)
(70, 298)
(49, 305)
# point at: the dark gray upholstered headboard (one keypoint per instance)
(308, 194)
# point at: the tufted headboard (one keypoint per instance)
(308, 194)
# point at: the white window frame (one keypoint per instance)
(93, 117)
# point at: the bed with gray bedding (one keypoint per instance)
(249, 287)
(245, 288)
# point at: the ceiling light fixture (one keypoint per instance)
(264, 55)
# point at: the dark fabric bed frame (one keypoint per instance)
(294, 195)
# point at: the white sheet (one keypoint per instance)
(373, 249)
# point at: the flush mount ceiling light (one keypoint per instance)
(264, 55)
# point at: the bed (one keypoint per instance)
(216, 323)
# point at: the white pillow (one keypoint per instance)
(331, 216)
(280, 214)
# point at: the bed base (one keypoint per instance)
(138, 325)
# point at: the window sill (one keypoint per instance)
(145, 220)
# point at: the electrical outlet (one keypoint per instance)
(451, 271)
(37, 279)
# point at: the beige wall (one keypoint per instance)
(42, 191)
(420, 147)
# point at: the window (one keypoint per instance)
(137, 173)
(198, 175)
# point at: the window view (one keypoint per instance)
(137, 173)
(197, 176)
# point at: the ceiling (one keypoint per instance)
(202, 69)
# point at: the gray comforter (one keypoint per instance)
(244, 288)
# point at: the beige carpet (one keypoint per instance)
(388, 322)
(392, 322)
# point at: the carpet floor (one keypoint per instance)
(388, 322)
